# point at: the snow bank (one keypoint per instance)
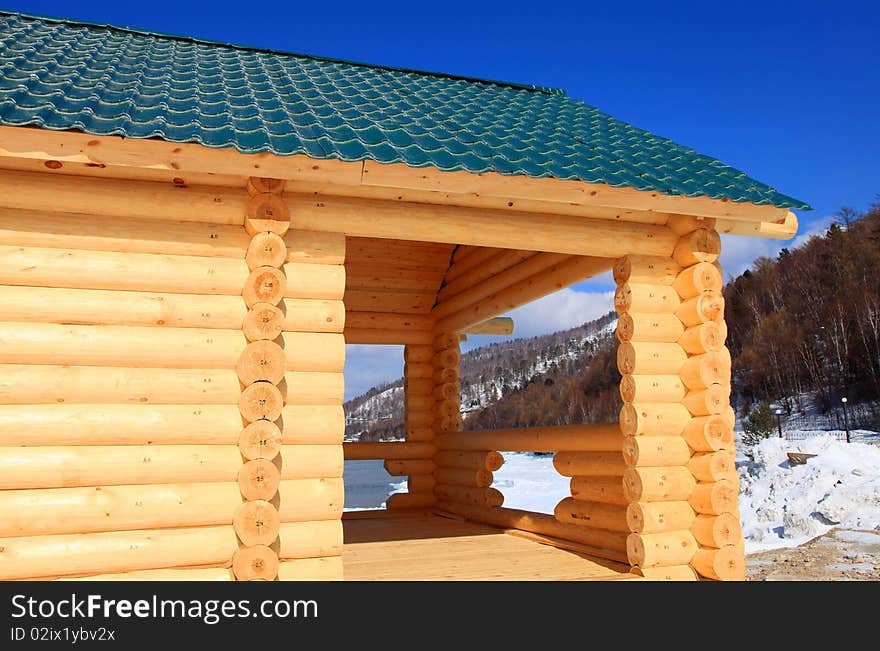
(784, 505)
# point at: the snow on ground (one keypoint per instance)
(785, 505)
(530, 482)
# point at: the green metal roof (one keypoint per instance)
(106, 80)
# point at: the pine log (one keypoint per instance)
(479, 478)
(702, 308)
(651, 388)
(261, 361)
(725, 564)
(420, 370)
(388, 450)
(418, 354)
(607, 489)
(419, 434)
(653, 419)
(409, 501)
(266, 250)
(666, 548)
(421, 483)
(216, 573)
(256, 522)
(500, 261)
(653, 328)
(644, 298)
(646, 358)
(253, 563)
(667, 573)
(264, 285)
(717, 530)
(701, 245)
(699, 278)
(660, 270)
(386, 337)
(702, 338)
(403, 467)
(73, 425)
(589, 464)
(661, 484)
(258, 479)
(469, 459)
(259, 185)
(44, 343)
(94, 465)
(656, 451)
(263, 321)
(266, 212)
(712, 466)
(611, 517)
(418, 386)
(715, 498)
(656, 517)
(486, 497)
(708, 433)
(261, 400)
(704, 370)
(537, 439)
(311, 569)
(260, 440)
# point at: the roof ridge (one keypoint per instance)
(193, 39)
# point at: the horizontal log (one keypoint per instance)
(648, 358)
(98, 424)
(94, 465)
(605, 489)
(418, 385)
(446, 391)
(702, 308)
(667, 573)
(469, 459)
(260, 401)
(715, 498)
(500, 325)
(329, 568)
(656, 517)
(536, 439)
(397, 301)
(477, 478)
(475, 257)
(266, 212)
(666, 484)
(699, 278)
(419, 434)
(700, 245)
(258, 563)
(386, 337)
(110, 307)
(708, 433)
(712, 466)
(500, 261)
(418, 354)
(649, 328)
(552, 279)
(651, 388)
(592, 514)
(486, 497)
(703, 338)
(725, 564)
(418, 370)
(607, 544)
(406, 253)
(701, 371)
(387, 321)
(504, 229)
(216, 573)
(717, 530)
(419, 403)
(646, 298)
(778, 230)
(657, 270)
(266, 249)
(448, 358)
(653, 419)
(408, 501)
(127, 551)
(405, 450)
(403, 467)
(44, 343)
(589, 464)
(162, 506)
(666, 548)
(656, 451)
(421, 483)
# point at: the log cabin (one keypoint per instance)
(191, 232)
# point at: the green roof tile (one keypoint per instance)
(106, 80)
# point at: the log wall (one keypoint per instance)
(680, 485)
(170, 393)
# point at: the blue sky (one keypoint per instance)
(786, 91)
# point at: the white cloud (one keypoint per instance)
(739, 252)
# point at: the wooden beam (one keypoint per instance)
(405, 450)
(784, 230)
(387, 337)
(536, 439)
(87, 154)
(532, 231)
(500, 325)
(557, 277)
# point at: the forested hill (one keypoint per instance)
(808, 322)
(804, 330)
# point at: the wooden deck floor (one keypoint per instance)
(436, 548)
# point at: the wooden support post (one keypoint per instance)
(675, 386)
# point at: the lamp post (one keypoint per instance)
(779, 421)
(845, 418)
